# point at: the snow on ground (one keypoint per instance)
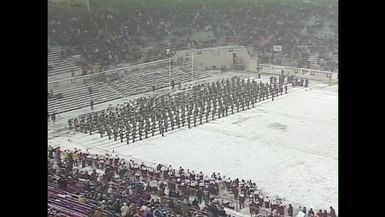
(287, 146)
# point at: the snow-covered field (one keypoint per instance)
(287, 146)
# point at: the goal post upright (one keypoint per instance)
(168, 53)
(192, 66)
(169, 72)
(88, 5)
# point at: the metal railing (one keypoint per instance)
(311, 74)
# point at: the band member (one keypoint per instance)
(115, 133)
(165, 122)
(127, 135)
(188, 120)
(120, 133)
(101, 129)
(108, 132)
(153, 127)
(133, 132)
(70, 121)
(147, 128)
(161, 129)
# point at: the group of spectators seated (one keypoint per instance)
(122, 35)
(84, 184)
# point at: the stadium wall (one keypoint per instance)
(311, 74)
(230, 57)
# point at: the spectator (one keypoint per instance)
(172, 84)
(325, 214)
(222, 212)
(244, 27)
(241, 201)
(332, 212)
(311, 213)
(290, 210)
(62, 183)
(136, 192)
(50, 152)
(53, 117)
(124, 210)
(300, 214)
(81, 198)
(98, 212)
(92, 104)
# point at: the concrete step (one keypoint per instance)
(80, 101)
(80, 104)
(65, 65)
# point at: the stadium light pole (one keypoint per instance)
(169, 72)
(192, 66)
(168, 53)
(88, 5)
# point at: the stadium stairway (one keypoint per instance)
(66, 202)
(143, 82)
(79, 97)
(313, 60)
(58, 63)
(130, 84)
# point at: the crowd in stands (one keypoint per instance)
(85, 184)
(129, 34)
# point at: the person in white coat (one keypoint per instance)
(166, 191)
(124, 209)
(55, 166)
(109, 191)
(267, 202)
(300, 214)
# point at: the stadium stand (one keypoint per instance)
(118, 86)
(57, 63)
(81, 183)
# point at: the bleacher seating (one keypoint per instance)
(130, 84)
(79, 97)
(136, 176)
(313, 59)
(67, 203)
(57, 63)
